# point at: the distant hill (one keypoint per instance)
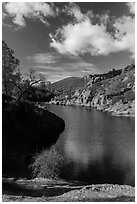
(69, 84)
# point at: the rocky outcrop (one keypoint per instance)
(113, 92)
(27, 129)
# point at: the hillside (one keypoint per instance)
(69, 84)
(113, 92)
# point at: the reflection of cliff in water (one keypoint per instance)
(98, 147)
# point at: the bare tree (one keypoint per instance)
(32, 79)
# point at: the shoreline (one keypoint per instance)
(113, 113)
(47, 190)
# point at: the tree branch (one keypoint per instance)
(27, 90)
(14, 84)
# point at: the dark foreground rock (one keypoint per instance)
(27, 129)
(42, 190)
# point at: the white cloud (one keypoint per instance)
(21, 10)
(74, 10)
(125, 36)
(57, 67)
(131, 6)
(84, 36)
(104, 19)
(43, 58)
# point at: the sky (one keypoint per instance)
(61, 40)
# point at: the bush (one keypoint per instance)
(38, 94)
(47, 164)
(129, 95)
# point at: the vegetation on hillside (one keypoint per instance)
(113, 91)
(69, 84)
(116, 85)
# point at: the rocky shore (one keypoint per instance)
(45, 190)
(113, 92)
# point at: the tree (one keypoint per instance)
(13, 83)
(10, 70)
(27, 83)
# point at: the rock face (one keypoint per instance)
(27, 129)
(113, 92)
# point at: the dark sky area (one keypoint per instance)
(61, 40)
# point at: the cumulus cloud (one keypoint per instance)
(73, 10)
(21, 10)
(83, 38)
(86, 36)
(131, 6)
(125, 35)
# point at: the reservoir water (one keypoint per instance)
(98, 147)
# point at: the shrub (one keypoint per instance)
(129, 95)
(47, 164)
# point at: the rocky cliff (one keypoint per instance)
(113, 92)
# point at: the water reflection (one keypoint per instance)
(98, 147)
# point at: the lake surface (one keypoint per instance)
(98, 147)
